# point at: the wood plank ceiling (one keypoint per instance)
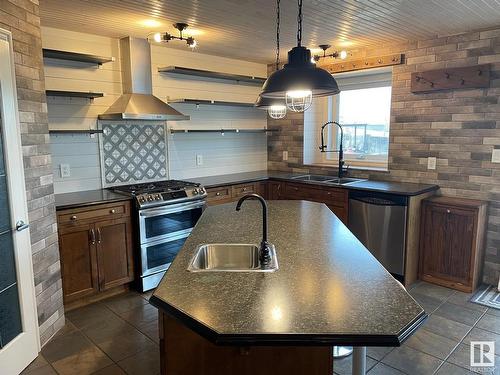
(245, 29)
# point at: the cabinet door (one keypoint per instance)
(114, 253)
(77, 248)
(447, 244)
(274, 190)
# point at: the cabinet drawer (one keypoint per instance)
(219, 195)
(243, 189)
(297, 191)
(330, 196)
(106, 211)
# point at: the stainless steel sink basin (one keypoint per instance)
(328, 179)
(231, 258)
(312, 177)
(344, 180)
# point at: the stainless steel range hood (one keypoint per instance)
(138, 101)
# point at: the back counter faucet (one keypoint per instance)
(265, 256)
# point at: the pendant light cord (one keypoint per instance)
(299, 23)
(278, 34)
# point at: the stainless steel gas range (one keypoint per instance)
(166, 212)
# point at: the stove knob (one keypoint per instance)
(202, 191)
(195, 191)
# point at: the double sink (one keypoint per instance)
(327, 179)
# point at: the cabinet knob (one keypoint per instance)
(218, 194)
(448, 211)
(112, 211)
(73, 217)
(244, 189)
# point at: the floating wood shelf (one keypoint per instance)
(211, 74)
(74, 56)
(222, 131)
(70, 131)
(360, 64)
(75, 94)
(212, 102)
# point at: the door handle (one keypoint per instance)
(21, 225)
(99, 235)
(92, 236)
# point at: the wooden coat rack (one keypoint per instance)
(477, 76)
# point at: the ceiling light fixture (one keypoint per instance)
(299, 80)
(336, 55)
(166, 37)
(276, 108)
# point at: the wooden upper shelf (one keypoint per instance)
(211, 74)
(212, 102)
(75, 56)
(75, 94)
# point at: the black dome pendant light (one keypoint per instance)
(276, 108)
(300, 80)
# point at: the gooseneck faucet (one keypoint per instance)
(265, 256)
(340, 150)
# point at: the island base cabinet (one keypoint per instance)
(182, 351)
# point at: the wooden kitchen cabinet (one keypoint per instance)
(231, 193)
(96, 252)
(452, 242)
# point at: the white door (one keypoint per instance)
(19, 339)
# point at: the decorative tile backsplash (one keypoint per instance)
(133, 152)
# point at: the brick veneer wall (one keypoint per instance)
(21, 17)
(458, 127)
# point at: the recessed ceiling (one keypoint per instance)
(246, 29)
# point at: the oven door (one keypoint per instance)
(169, 221)
(157, 256)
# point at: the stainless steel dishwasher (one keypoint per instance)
(378, 220)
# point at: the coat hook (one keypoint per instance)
(447, 75)
(418, 78)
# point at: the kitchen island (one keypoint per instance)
(329, 290)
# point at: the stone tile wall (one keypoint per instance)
(458, 127)
(21, 17)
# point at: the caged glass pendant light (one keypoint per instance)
(300, 80)
(276, 108)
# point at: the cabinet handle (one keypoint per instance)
(92, 236)
(99, 235)
(244, 189)
(296, 189)
(217, 194)
(73, 217)
(112, 211)
(448, 211)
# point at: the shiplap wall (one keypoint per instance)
(221, 154)
(230, 153)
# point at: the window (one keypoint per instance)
(363, 108)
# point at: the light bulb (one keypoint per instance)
(343, 55)
(157, 37)
(193, 44)
(277, 111)
(298, 100)
(313, 60)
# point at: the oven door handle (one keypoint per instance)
(170, 209)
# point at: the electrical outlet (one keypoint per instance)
(431, 163)
(199, 160)
(65, 170)
(495, 155)
(285, 155)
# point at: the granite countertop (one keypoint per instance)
(401, 188)
(329, 289)
(87, 198)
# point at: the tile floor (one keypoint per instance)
(120, 336)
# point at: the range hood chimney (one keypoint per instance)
(138, 101)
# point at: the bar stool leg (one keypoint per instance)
(359, 360)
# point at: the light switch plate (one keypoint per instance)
(65, 170)
(199, 160)
(495, 155)
(431, 163)
(285, 155)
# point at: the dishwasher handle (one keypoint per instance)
(378, 201)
